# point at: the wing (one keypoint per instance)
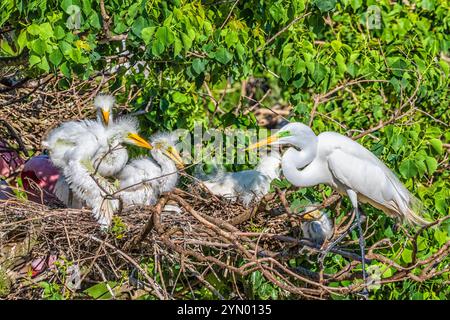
(138, 183)
(92, 189)
(364, 177)
(66, 139)
(64, 194)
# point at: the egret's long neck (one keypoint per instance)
(168, 171)
(293, 161)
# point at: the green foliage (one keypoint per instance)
(399, 59)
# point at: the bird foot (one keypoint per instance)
(364, 294)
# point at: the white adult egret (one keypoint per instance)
(317, 226)
(336, 160)
(247, 186)
(144, 179)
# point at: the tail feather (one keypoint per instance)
(104, 212)
(414, 211)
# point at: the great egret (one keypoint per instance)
(144, 179)
(88, 156)
(317, 226)
(336, 160)
(247, 186)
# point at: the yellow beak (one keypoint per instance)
(173, 154)
(264, 142)
(105, 115)
(313, 215)
(139, 141)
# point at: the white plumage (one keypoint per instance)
(144, 179)
(65, 137)
(104, 104)
(65, 194)
(318, 226)
(247, 186)
(338, 161)
(89, 155)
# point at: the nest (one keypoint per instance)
(203, 242)
(191, 244)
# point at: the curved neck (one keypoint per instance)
(293, 161)
(168, 171)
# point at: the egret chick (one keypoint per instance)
(318, 226)
(144, 179)
(247, 186)
(104, 104)
(92, 155)
(59, 142)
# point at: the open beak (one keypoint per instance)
(173, 154)
(105, 115)
(264, 142)
(313, 215)
(139, 141)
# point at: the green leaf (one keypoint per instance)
(65, 4)
(440, 236)
(407, 255)
(34, 60)
(94, 20)
(33, 29)
(22, 40)
(45, 31)
(44, 64)
(408, 168)
(4, 45)
(355, 4)
(231, 38)
(198, 65)
(177, 47)
(340, 61)
(100, 290)
(147, 33)
(158, 48)
(336, 45)
(437, 145)
(65, 70)
(179, 97)
(187, 41)
(223, 55)
(285, 73)
(165, 36)
(432, 165)
(59, 33)
(325, 5)
(428, 4)
(138, 25)
(39, 46)
(319, 73)
(55, 57)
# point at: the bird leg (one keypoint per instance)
(361, 245)
(365, 293)
(334, 244)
